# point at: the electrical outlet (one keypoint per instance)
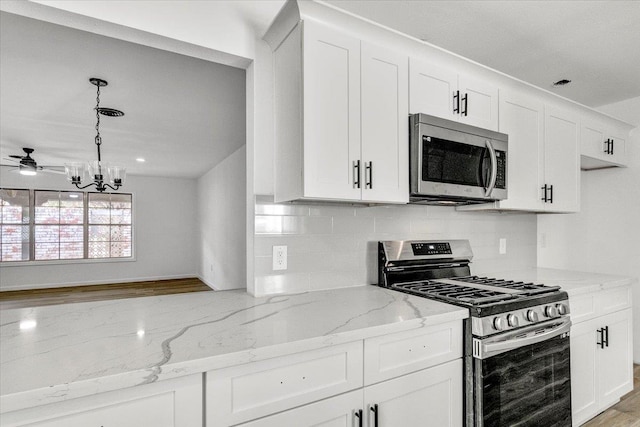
(279, 257)
(503, 246)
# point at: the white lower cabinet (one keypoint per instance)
(429, 397)
(406, 377)
(601, 354)
(169, 403)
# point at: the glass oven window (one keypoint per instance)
(528, 386)
(454, 163)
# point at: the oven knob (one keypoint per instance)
(532, 316)
(498, 323)
(513, 320)
(550, 311)
(562, 309)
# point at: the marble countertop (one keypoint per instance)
(54, 353)
(573, 282)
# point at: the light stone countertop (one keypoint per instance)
(573, 282)
(54, 353)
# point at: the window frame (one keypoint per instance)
(85, 260)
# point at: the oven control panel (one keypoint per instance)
(431, 248)
(484, 326)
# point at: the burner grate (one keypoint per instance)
(526, 288)
(454, 292)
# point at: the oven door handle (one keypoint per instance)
(483, 349)
(494, 168)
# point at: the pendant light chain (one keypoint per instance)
(98, 138)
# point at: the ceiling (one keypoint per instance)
(595, 44)
(184, 115)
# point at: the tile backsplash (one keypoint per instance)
(335, 246)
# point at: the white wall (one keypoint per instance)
(221, 223)
(333, 246)
(605, 236)
(164, 236)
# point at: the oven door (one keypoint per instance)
(523, 377)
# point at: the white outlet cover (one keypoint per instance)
(279, 258)
(503, 246)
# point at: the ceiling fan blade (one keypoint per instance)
(48, 169)
(13, 156)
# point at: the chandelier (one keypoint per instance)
(103, 174)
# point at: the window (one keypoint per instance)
(109, 225)
(14, 221)
(65, 225)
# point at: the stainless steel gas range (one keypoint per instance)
(516, 340)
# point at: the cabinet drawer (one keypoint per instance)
(614, 299)
(389, 356)
(583, 307)
(242, 393)
(169, 403)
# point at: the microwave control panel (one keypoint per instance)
(501, 176)
(431, 248)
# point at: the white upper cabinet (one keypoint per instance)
(602, 145)
(522, 118)
(384, 125)
(341, 118)
(331, 125)
(442, 92)
(560, 190)
(543, 173)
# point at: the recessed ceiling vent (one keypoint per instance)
(562, 82)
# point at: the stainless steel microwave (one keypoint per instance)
(454, 163)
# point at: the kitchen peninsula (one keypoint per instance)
(130, 346)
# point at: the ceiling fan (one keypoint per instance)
(27, 165)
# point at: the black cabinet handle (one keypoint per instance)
(600, 341)
(611, 147)
(456, 102)
(466, 104)
(606, 336)
(606, 146)
(551, 193)
(356, 174)
(358, 415)
(368, 173)
(544, 197)
(375, 411)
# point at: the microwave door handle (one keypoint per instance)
(494, 168)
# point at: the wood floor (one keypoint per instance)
(51, 296)
(625, 413)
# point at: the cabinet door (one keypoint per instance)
(331, 113)
(431, 89)
(584, 372)
(562, 169)
(429, 397)
(478, 102)
(385, 156)
(619, 147)
(337, 411)
(616, 359)
(522, 118)
(592, 139)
